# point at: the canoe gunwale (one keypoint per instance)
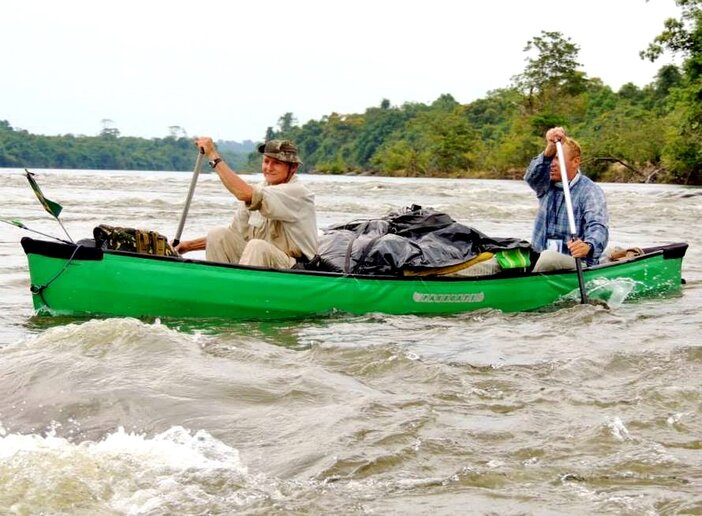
(87, 253)
(70, 279)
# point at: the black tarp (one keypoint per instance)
(414, 239)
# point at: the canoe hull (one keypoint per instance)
(70, 280)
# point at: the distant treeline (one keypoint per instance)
(108, 151)
(649, 134)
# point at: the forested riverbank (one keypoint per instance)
(634, 134)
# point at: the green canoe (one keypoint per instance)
(76, 280)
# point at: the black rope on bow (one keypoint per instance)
(39, 289)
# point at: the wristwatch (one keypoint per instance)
(214, 162)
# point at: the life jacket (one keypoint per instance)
(132, 240)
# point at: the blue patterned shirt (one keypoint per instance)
(589, 210)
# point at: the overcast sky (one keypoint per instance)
(230, 69)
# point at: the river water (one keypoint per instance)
(575, 410)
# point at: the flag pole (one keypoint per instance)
(53, 208)
(64, 230)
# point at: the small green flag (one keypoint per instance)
(52, 207)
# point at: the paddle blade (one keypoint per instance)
(52, 207)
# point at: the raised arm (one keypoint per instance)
(231, 180)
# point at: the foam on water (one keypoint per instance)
(618, 429)
(611, 291)
(125, 472)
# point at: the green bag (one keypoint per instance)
(517, 258)
(132, 240)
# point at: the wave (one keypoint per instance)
(125, 473)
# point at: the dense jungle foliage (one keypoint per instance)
(108, 151)
(649, 134)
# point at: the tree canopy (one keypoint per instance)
(682, 152)
(108, 151)
(634, 134)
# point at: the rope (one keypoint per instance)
(41, 288)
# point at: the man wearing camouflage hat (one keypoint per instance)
(276, 225)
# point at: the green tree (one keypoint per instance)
(401, 157)
(379, 126)
(552, 69)
(683, 36)
(625, 136)
(286, 124)
(448, 139)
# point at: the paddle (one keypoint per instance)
(571, 218)
(19, 224)
(191, 191)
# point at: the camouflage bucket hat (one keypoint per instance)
(282, 150)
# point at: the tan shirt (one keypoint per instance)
(283, 215)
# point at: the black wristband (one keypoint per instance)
(214, 162)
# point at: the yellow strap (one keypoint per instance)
(440, 271)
